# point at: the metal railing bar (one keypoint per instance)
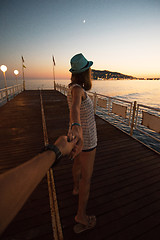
(156, 109)
(148, 134)
(111, 97)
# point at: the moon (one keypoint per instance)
(84, 21)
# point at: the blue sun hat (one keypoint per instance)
(79, 63)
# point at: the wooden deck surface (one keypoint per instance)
(125, 188)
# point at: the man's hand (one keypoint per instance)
(64, 146)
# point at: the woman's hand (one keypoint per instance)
(76, 131)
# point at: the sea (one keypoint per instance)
(146, 92)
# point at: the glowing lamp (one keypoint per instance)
(16, 72)
(3, 68)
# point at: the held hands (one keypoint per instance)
(76, 132)
(64, 145)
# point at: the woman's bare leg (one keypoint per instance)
(76, 172)
(87, 162)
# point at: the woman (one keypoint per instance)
(82, 125)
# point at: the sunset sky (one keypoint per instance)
(117, 35)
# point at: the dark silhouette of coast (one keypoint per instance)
(108, 75)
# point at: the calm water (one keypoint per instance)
(142, 91)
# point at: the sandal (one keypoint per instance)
(79, 227)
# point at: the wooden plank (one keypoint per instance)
(21, 138)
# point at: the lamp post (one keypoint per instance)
(4, 69)
(16, 72)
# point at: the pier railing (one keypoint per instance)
(147, 121)
(10, 92)
(136, 117)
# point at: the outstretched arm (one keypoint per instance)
(17, 184)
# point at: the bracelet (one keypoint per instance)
(75, 124)
(55, 149)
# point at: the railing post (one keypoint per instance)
(54, 85)
(7, 98)
(137, 116)
(95, 102)
(24, 87)
(129, 121)
(133, 116)
(109, 105)
(14, 92)
(6, 86)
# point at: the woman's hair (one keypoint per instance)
(83, 79)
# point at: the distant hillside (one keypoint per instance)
(108, 75)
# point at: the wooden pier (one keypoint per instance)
(125, 188)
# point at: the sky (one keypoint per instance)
(117, 35)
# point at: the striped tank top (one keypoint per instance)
(87, 119)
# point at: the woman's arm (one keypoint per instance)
(76, 130)
(76, 103)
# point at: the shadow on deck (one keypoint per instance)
(125, 188)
